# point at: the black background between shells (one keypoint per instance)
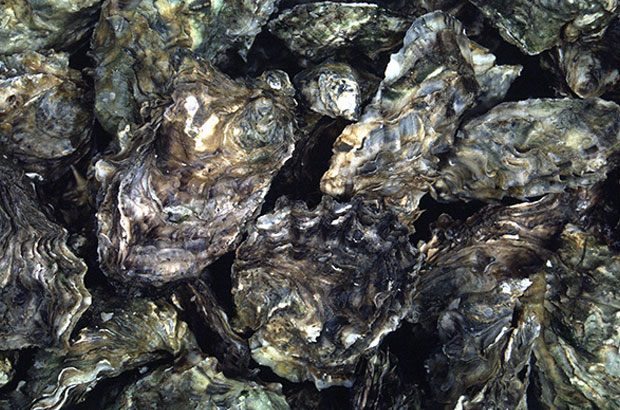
(268, 52)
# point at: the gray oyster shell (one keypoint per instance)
(577, 359)
(127, 336)
(134, 43)
(322, 287)
(530, 148)
(317, 30)
(479, 292)
(538, 25)
(45, 119)
(392, 152)
(331, 89)
(196, 383)
(7, 367)
(197, 175)
(42, 293)
(45, 24)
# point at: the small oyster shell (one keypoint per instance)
(331, 89)
(198, 175)
(197, 384)
(530, 148)
(322, 287)
(134, 42)
(45, 24)
(45, 119)
(577, 359)
(536, 26)
(475, 292)
(128, 336)
(392, 151)
(7, 366)
(42, 293)
(317, 30)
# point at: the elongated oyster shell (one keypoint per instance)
(392, 151)
(201, 172)
(321, 287)
(128, 336)
(538, 25)
(197, 384)
(44, 24)
(331, 89)
(577, 354)
(477, 291)
(530, 148)
(45, 120)
(134, 42)
(42, 293)
(317, 30)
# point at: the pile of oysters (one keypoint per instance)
(292, 204)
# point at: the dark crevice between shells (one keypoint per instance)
(24, 363)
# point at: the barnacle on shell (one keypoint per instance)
(322, 287)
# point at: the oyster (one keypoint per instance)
(199, 175)
(45, 24)
(322, 287)
(42, 293)
(477, 291)
(195, 383)
(125, 337)
(536, 26)
(428, 86)
(530, 148)
(45, 119)
(7, 366)
(331, 89)
(317, 30)
(577, 359)
(134, 43)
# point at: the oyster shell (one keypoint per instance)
(477, 291)
(127, 336)
(134, 43)
(428, 86)
(42, 293)
(536, 26)
(317, 30)
(7, 367)
(45, 119)
(577, 359)
(45, 24)
(530, 148)
(331, 89)
(195, 383)
(199, 174)
(322, 287)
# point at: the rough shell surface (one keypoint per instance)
(196, 176)
(42, 292)
(322, 287)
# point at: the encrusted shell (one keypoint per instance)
(322, 287)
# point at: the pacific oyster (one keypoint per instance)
(538, 25)
(322, 287)
(199, 174)
(7, 366)
(127, 336)
(317, 30)
(134, 42)
(195, 383)
(475, 291)
(392, 151)
(530, 148)
(45, 119)
(42, 293)
(577, 359)
(44, 24)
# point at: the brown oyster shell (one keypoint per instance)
(45, 121)
(197, 175)
(42, 292)
(322, 287)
